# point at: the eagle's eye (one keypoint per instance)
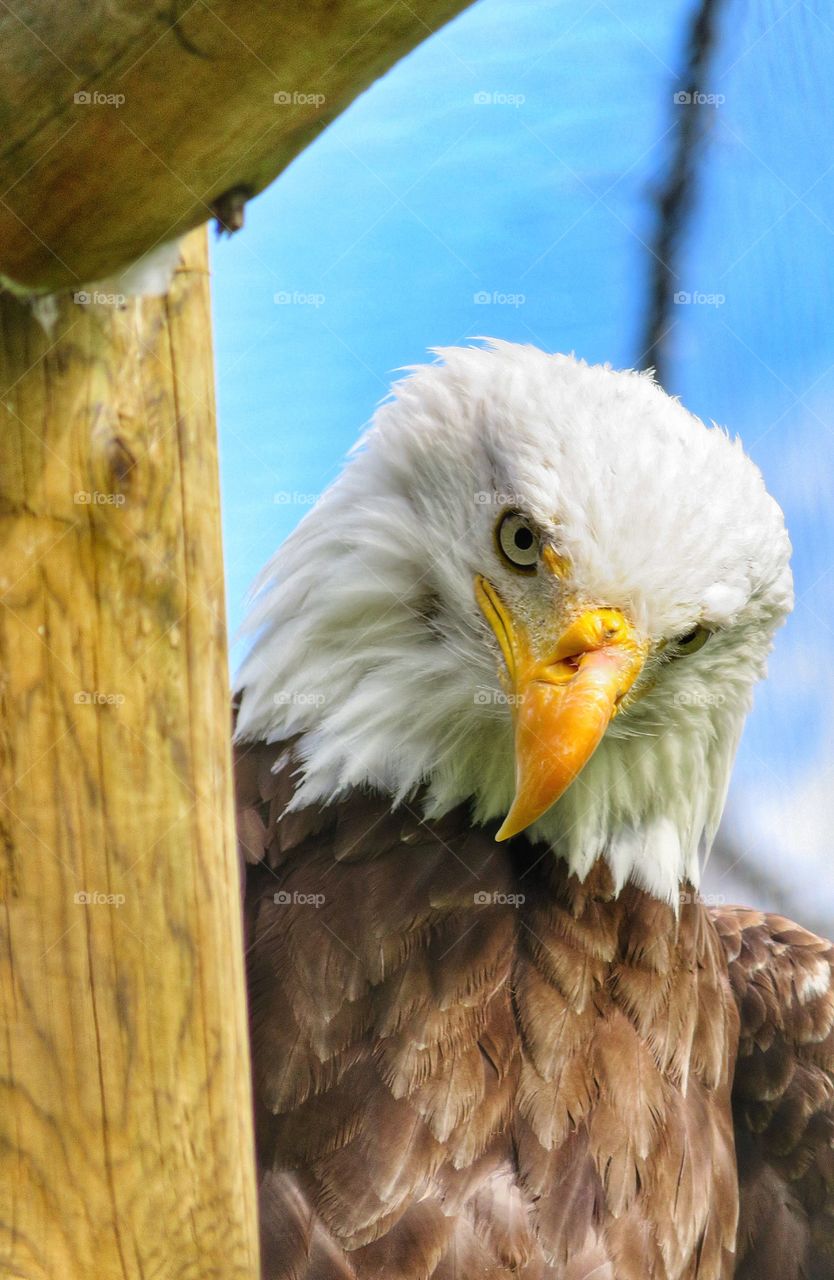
(692, 641)
(518, 541)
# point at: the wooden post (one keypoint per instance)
(125, 1136)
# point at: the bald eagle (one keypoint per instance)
(484, 735)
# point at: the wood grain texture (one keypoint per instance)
(125, 1133)
(90, 185)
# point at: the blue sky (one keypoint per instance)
(514, 156)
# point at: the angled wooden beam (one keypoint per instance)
(124, 125)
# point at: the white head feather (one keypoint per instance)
(370, 645)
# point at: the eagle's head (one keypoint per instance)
(541, 587)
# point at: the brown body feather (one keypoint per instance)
(467, 1064)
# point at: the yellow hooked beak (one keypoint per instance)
(563, 700)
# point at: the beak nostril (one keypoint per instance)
(562, 669)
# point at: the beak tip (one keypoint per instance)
(506, 831)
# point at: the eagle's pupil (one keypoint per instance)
(523, 539)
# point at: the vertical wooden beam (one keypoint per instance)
(125, 1134)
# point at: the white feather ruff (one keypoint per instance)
(368, 642)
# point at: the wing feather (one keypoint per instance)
(783, 1095)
